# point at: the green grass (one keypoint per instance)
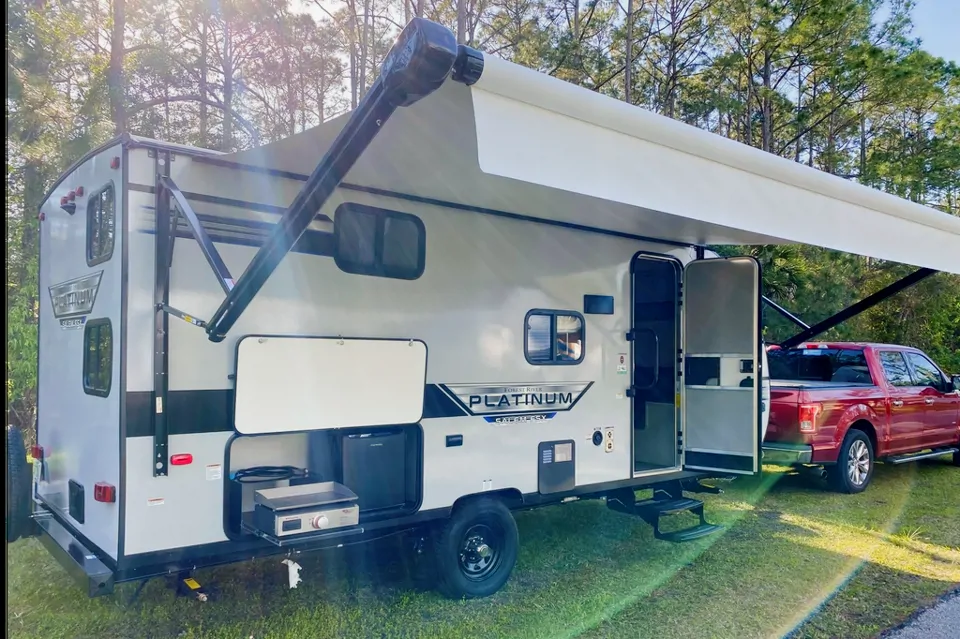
(793, 558)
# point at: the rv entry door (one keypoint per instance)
(721, 355)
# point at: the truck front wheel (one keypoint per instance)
(854, 467)
(476, 550)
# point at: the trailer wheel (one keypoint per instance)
(18, 487)
(956, 458)
(854, 467)
(476, 550)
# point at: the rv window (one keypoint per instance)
(553, 337)
(101, 216)
(97, 357)
(372, 241)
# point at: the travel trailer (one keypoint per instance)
(483, 290)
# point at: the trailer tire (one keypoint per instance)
(956, 458)
(854, 468)
(18, 487)
(476, 550)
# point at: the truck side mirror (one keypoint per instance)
(956, 382)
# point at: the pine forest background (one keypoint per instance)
(841, 85)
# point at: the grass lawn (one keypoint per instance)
(792, 560)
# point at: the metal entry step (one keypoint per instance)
(651, 510)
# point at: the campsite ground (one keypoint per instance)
(793, 560)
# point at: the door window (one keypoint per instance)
(924, 371)
(895, 368)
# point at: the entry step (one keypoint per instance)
(937, 452)
(651, 510)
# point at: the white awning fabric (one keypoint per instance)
(526, 143)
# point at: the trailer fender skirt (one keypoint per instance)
(78, 560)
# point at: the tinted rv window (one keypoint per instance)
(372, 241)
(553, 337)
(101, 223)
(97, 357)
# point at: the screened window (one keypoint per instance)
(97, 357)
(101, 225)
(372, 241)
(554, 337)
(924, 371)
(895, 368)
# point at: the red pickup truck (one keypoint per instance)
(844, 406)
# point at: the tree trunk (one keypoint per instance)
(628, 69)
(767, 102)
(461, 21)
(115, 71)
(227, 142)
(204, 124)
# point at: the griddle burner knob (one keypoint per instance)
(320, 522)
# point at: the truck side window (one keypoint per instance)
(895, 368)
(925, 372)
(101, 225)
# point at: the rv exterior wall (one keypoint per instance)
(483, 275)
(78, 409)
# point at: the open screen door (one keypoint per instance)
(721, 353)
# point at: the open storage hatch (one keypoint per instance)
(721, 346)
(290, 384)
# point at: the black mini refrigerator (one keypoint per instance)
(374, 467)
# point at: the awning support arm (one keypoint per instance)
(790, 316)
(861, 306)
(210, 251)
(422, 58)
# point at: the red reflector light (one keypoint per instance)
(37, 452)
(42, 216)
(808, 414)
(115, 163)
(64, 200)
(181, 460)
(104, 492)
(72, 195)
(79, 191)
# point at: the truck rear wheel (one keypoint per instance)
(476, 550)
(854, 467)
(18, 487)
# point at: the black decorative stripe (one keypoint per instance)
(188, 412)
(437, 404)
(226, 201)
(211, 411)
(740, 463)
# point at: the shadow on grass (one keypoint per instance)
(582, 570)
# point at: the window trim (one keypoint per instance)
(90, 199)
(553, 313)
(378, 269)
(906, 363)
(90, 390)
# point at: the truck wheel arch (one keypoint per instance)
(511, 497)
(867, 428)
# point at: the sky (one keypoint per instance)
(937, 24)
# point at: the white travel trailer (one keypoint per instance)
(483, 290)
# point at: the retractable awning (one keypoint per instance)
(526, 143)
(448, 124)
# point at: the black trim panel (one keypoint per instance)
(720, 461)
(188, 412)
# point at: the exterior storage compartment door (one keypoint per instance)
(721, 354)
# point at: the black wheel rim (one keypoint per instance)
(481, 551)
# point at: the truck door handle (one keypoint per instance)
(928, 400)
(898, 402)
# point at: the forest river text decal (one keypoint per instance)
(505, 404)
(73, 300)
